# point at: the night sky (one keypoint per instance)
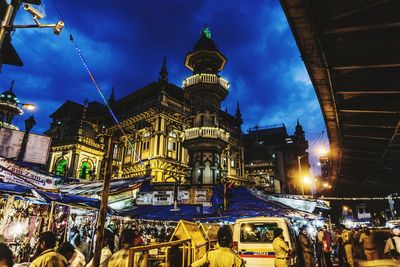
(124, 44)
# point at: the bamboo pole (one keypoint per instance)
(101, 219)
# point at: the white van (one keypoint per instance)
(252, 238)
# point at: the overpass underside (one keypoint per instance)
(351, 50)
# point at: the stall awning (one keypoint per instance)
(95, 187)
(47, 197)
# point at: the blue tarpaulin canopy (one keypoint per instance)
(241, 203)
(48, 197)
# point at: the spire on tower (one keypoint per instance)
(164, 71)
(299, 132)
(238, 113)
(11, 86)
(111, 99)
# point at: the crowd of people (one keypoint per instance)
(78, 250)
(340, 245)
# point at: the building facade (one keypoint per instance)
(275, 160)
(181, 133)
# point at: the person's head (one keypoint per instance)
(367, 231)
(108, 239)
(304, 231)
(47, 240)
(324, 228)
(224, 236)
(128, 237)
(6, 256)
(396, 231)
(342, 227)
(67, 250)
(278, 232)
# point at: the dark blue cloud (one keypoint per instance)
(124, 44)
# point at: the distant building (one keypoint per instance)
(272, 158)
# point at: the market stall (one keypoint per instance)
(26, 212)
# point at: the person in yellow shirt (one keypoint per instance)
(281, 248)
(346, 235)
(47, 256)
(223, 256)
(121, 257)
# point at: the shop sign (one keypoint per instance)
(144, 198)
(12, 173)
(200, 195)
(161, 198)
(183, 196)
(207, 208)
(37, 149)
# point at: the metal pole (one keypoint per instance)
(225, 204)
(51, 217)
(300, 174)
(5, 23)
(101, 219)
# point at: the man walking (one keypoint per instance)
(306, 248)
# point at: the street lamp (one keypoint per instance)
(300, 172)
(29, 123)
(28, 106)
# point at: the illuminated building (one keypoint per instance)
(181, 132)
(271, 158)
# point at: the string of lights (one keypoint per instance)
(94, 81)
(347, 198)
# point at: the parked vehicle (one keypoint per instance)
(253, 237)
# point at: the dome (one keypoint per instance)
(205, 43)
(9, 96)
(205, 55)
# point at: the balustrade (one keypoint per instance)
(206, 78)
(206, 132)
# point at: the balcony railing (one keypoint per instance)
(206, 78)
(206, 132)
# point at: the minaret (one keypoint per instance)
(9, 107)
(238, 116)
(205, 90)
(299, 132)
(164, 71)
(111, 100)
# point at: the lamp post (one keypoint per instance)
(29, 123)
(300, 172)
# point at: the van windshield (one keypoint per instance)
(257, 232)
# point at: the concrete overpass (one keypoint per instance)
(351, 50)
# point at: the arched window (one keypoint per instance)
(61, 167)
(146, 141)
(172, 141)
(86, 170)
